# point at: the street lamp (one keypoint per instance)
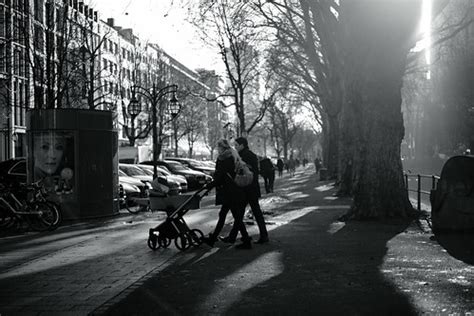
(134, 107)
(175, 107)
(154, 96)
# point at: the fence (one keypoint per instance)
(419, 190)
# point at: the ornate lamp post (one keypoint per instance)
(134, 108)
(155, 96)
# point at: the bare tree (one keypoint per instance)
(282, 112)
(230, 26)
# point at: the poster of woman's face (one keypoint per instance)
(53, 160)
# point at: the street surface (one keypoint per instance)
(312, 265)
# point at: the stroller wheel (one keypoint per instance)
(153, 242)
(182, 242)
(163, 241)
(195, 237)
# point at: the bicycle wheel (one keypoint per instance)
(43, 216)
(195, 237)
(59, 217)
(7, 220)
(132, 207)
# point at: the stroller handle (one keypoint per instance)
(202, 192)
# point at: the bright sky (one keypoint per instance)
(162, 22)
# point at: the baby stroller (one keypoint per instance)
(174, 227)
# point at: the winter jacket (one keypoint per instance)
(266, 167)
(227, 192)
(253, 190)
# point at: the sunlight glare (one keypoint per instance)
(229, 290)
(426, 29)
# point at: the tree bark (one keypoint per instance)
(380, 191)
(331, 162)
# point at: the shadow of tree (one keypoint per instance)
(307, 268)
(458, 245)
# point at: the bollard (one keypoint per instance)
(419, 192)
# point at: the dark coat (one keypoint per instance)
(253, 190)
(280, 164)
(227, 192)
(266, 167)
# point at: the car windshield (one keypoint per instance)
(121, 173)
(19, 168)
(147, 171)
(164, 171)
(132, 171)
(196, 164)
(176, 166)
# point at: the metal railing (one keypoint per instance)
(419, 177)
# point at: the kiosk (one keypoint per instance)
(74, 152)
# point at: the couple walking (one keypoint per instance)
(235, 198)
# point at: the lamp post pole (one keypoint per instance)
(155, 98)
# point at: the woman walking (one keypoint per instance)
(228, 194)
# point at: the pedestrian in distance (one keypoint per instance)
(317, 164)
(267, 170)
(252, 192)
(280, 166)
(228, 194)
(291, 166)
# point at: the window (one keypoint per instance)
(38, 38)
(19, 168)
(21, 63)
(2, 21)
(16, 61)
(22, 105)
(104, 61)
(2, 58)
(38, 9)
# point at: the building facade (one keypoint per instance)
(61, 54)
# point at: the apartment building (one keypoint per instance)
(61, 54)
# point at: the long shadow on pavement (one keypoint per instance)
(312, 265)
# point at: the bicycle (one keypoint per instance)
(39, 213)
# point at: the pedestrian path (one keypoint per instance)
(312, 265)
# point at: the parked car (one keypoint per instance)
(209, 163)
(194, 164)
(138, 173)
(130, 188)
(166, 173)
(196, 179)
(13, 171)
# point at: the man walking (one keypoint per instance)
(252, 192)
(267, 170)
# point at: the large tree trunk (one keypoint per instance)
(331, 159)
(380, 191)
(381, 33)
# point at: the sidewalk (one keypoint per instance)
(313, 265)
